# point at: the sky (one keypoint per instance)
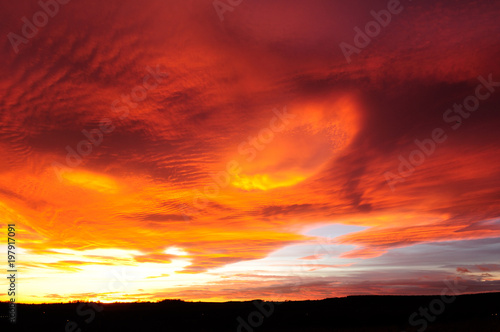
(235, 150)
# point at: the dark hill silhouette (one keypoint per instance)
(479, 312)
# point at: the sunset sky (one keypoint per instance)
(212, 152)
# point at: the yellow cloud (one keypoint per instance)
(88, 180)
(265, 181)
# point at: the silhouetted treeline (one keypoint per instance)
(478, 312)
